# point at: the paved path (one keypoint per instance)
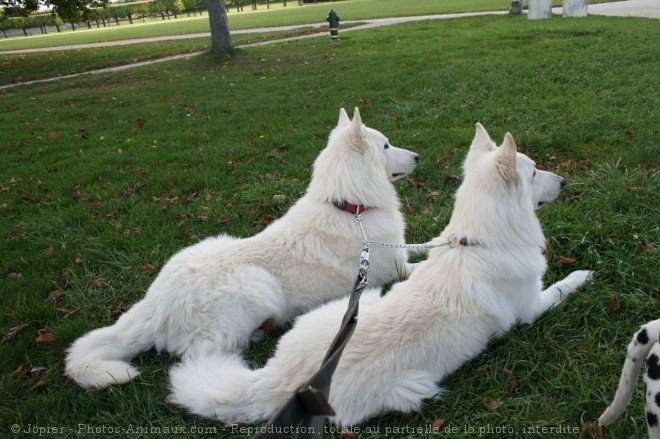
(626, 8)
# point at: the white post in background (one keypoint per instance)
(575, 8)
(539, 9)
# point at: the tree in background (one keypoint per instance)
(73, 11)
(220, 38)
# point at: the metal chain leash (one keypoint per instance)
(367, 242)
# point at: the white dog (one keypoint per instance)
(645, 344)
(485, 280)
(212, 296)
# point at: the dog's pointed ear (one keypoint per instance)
(356, 135)
(481, 141)
(343, 119)
(506, 158)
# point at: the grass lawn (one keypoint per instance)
(105, 177)
(20, 67)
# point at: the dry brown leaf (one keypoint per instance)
(222, 220)
(346, 433)
(416, 182)
(54, 296)
(481, 370)
(437, 424)
(549, 251)
(615, 305)
(49, 251)
(492, 404)
(514, 381)
(13, 332)
(148, 268)
(52, 135)
(268, 327)
(43, 336)
(593, 430)
(566, 260)
(264, 220)
(17, 371)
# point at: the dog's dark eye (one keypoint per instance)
(387, 145)
(534, 174)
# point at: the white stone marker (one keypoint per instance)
(575, 8)
(539, 9)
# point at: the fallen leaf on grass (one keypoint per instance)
(13, 332)
(437, 424)
(514, 381)
(267, 327)
(615, 305)
(492, 404)
(233, 425)
(416, 182)
(54, 296)
(567, 260)
(43, 336)
(264, 220)
(549, 251)
(148, 268)
(593, 430)
(346, 434)
(481, 370)
(17, 371)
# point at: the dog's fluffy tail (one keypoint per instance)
(221, 387)
(99, 358)
(638, 349)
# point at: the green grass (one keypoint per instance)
(21, 67)
(105, 177)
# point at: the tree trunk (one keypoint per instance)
(220, 38)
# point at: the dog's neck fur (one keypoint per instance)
(469, 211)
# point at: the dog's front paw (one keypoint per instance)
(579, 277)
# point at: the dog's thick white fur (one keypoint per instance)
(645, 344)
(212, 296)
(424, 328)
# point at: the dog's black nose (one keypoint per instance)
(563, 182)
(416, 158)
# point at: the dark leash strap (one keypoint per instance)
(306, 411)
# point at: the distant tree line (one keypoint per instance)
(24, 14)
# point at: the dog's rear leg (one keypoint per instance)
(652, 386)
(555, 293)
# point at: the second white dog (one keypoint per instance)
(485, 280)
